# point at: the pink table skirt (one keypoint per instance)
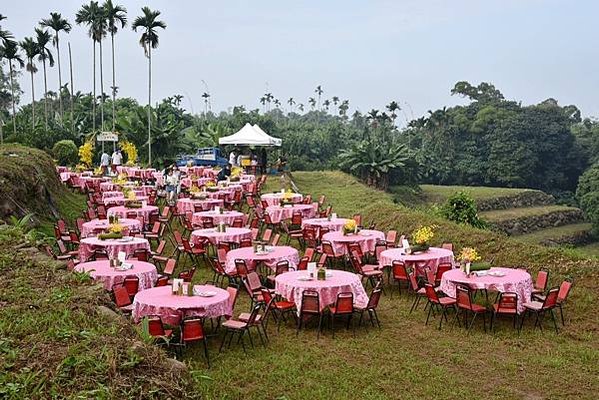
(112, 246)
(290, 287)
(198, 171)
(366, 238)
(188, 204)
(227, 217)
(278, 253)
(101, 271)
(273, 199)
(515, 280)
(60, 168)
(430, 258)
(172, 308)
(187, 182)
(100, 225)
(333, 225)
(119, 201)
(278, 213)
(66, 175)
(121, 211)
(234, 235)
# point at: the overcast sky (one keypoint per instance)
(370, 52)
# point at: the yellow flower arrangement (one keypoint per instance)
(350, 226)
(98, 171)
(468, 254)
(423, 235)
(210, 184)
(131, 195)
(236, 171)
(131, 152)
(194, 189)
(115, 228)
(86, 153)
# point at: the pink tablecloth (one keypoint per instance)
(198, 171)
(187, 182)
(101, 271)
(60, 168)
(226, 217)
(171, 308)
(278, 213)
(112, 246)
(278, 253)
(366, 238)
(66, 175)
(515, 280)
(119, 201)
(273, 199)
(121, 211)
(234, 235)
(430, 258)
(100, 225)
(290, 287)
(188, 205)
(333, 225)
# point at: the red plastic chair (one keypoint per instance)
(507, 304)
(541, 282)
(466, 306)
(373, 303)
(541, 308)
(236, 326)
(562, 296)
(192, 331)
(310, 308)
(131, 283)
(344, 306)
(156, 328)
(122, 299)
(400, 274)
(434, 301)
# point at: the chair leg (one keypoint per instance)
(319, 325)
(428, 314)
(223, 342)
(554, 322)
(206, 352)
(561, 311)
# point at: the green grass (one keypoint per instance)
(523, 212)
(437, 194)
(406, 359)
(556, 233)
(591, 250)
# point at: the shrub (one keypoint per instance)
(587, 194)
(65, 152)
(461, 208)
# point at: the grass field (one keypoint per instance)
(425, 195)
(523, 212)
(406, 359)
(556, 233)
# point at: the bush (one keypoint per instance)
(461, 208)
(65, 152)
(587, 194)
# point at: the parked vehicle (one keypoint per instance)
(208, 156)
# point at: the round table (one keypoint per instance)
(112, 246)
(188, 204)
(227, 217)
(334, 225)
(430, 258)
(101, 271)
(121, 211)
(366, 238)
(101, 225)
(189, 181)
(277, 253)
(234, 235)
(171, 308)
(514, 280)
(278, 213)
(290, 287)
(273, 199)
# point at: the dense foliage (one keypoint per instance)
(588, 194)
(65, 152)
(461, 208)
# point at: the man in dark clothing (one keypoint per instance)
(224, 173)
(263, 160)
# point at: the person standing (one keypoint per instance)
(263, 160)
(104, 163)
(117, 160)
(232, 157)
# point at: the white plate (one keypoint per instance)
(207, 294)
(496, 273)
(329, 274)
(304, 278)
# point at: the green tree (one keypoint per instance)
(65, 152)
(10, 52)
(43, 38)
(149, 23)
(587, 194)
(31, 50)
(116, 16)
(5, 36)
(58, 24)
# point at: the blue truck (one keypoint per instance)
(206, 156)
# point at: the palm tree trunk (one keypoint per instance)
(12, 96)
(32, 100)
(45, 96)
(59, 80)
(94, 100)
(113, 85)
(101, 91)
(72, 105)
(149, 104)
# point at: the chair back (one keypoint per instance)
(355, 248)
(121, 296)
(462, 296)
(551, 299)
(170, 266)
(187, 276)
(232, 296)
(141, 255)
(255, 232)
(131, 283)
(508, 302)
(327, 248)
(375, 297)
(267, 235)
(303, 263)
(379, 247)
(161, 246)
(222, 256)
(542, 279)
(207, 222)
(266, 295)
(161, 281)
(276, 239)
(441, 269)
(310, 302)
(399, 270)
(344, 303)
(430, 275)
(322, 260)
(447, 246)
(70, 265)
(358, 219)
(296, 219)
(192, 330)
(226, 246)
(253, 280)
(282, 267)
(245, 242)
(309, 253)
(99, 254)
(413, 281)
(155, 326)
(431, 294)
(391, 238)
(321, 200)
(564, 290)
(241, 267)
(178, 238)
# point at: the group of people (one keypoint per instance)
(111, 162)
(236, 160)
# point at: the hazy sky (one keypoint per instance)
(370, 52)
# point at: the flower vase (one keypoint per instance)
(467, 268)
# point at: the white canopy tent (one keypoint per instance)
(250, 136)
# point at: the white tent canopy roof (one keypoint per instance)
(250, 136)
